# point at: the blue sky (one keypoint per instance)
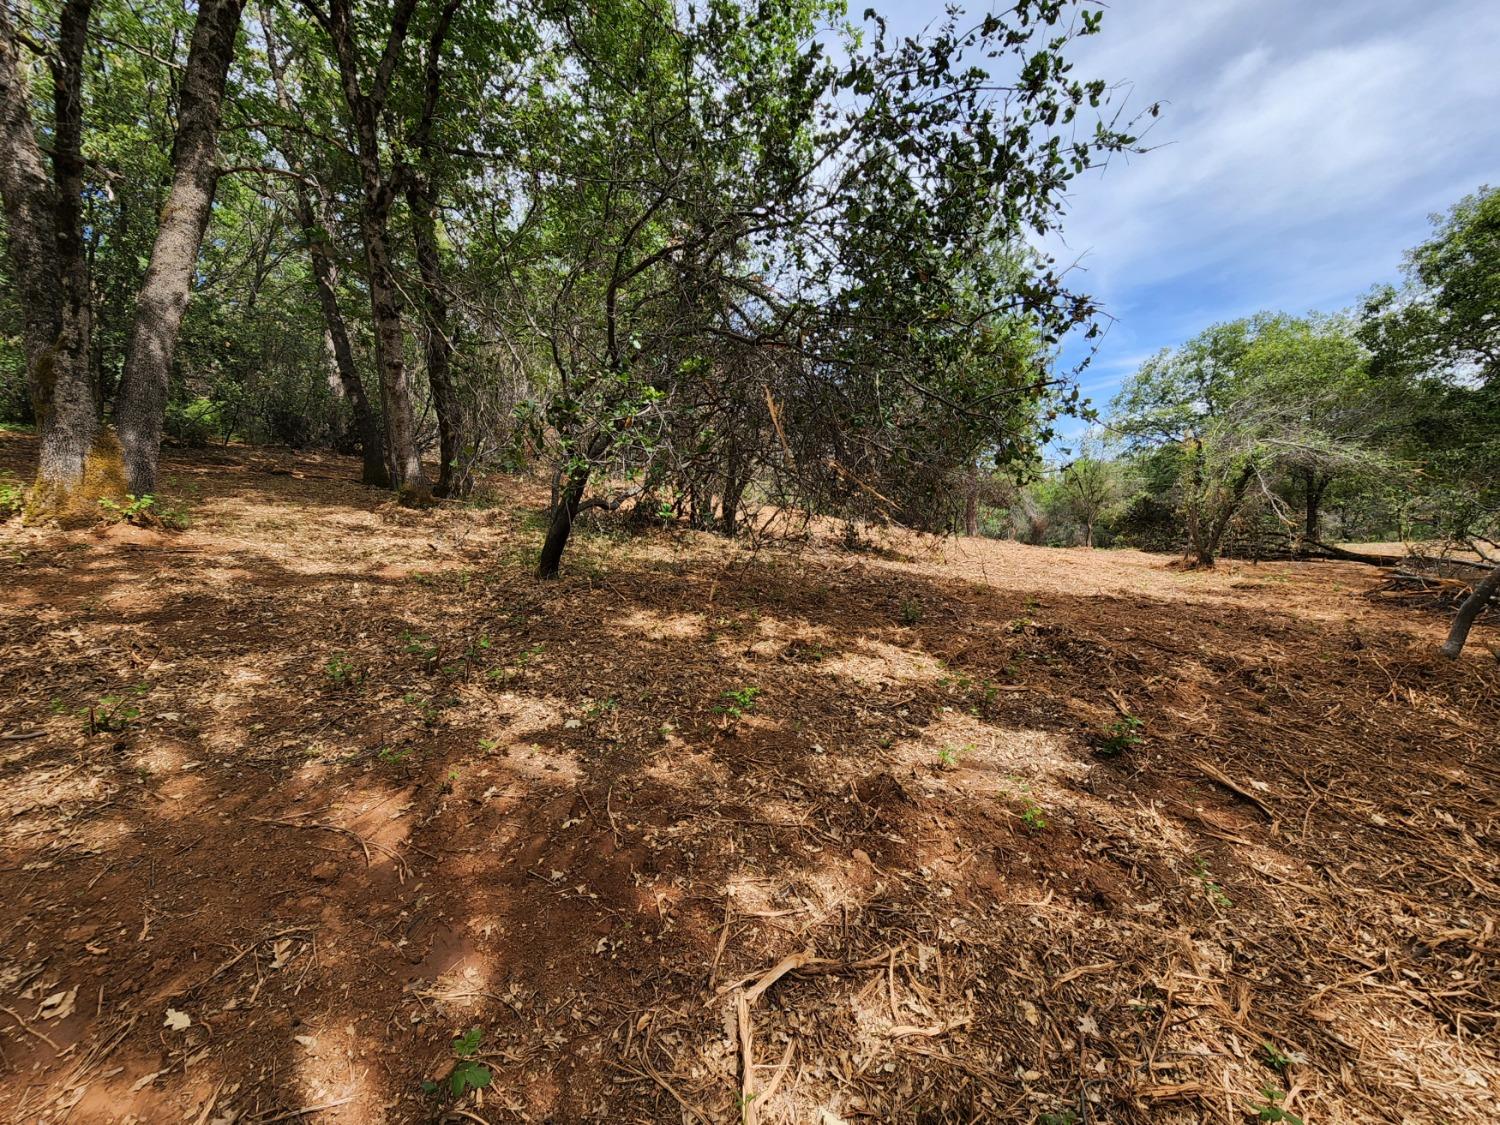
(1301, 148)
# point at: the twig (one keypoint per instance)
(304, 1111)
(1213, 773)
(28, 1028)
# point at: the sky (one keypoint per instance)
(1302, 147)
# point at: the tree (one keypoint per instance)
(1242, 403)
(311, 195)
(857, 222)
(1092, 485)
(1438, 339)
(162, 298)
(366, 96)
(77, 461)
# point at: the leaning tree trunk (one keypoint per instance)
(162, 298)
(1483, 594)
(564, 512)
(76, 463)
(566, 504)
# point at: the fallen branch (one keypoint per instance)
(1213, 773)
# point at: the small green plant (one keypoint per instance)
(12, 496)
(1271, 1109)
(113, 713)
(136, 509)
(1121, 735)
(418, 645)
(1061, 1117)
(599, 708)
(1277, 1059)
(948, 756)
(466, 1074)
(341, 670)
(739, 700)
(1212, 889)
(1033, 816)
(911, 612)
(391, 756)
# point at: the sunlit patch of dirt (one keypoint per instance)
(940, 830)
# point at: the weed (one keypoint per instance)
(911, 612)
(341, 670)
(12, 496)
(1212, 889)
(466, 1074)
(948, 756)
(1121, 735)
(136, 509)
(1061, 1117)
(1271, 1109)
(418, 645)
(392, 757)
(1277, 1059)
(740, 701)
(113, 713)
(1033, 816)
(599, 708)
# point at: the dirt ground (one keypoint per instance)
(945, 831)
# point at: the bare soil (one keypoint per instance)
(945, 831)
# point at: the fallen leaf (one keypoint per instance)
(58, 1005)
(178, 1021)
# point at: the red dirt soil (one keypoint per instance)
(949, 831)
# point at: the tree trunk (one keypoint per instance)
(325, 280)
(1314, 487)
(163, 296)
(437, 350)
(971, 503)
(1483, 594)
(76, 465)
(564, 512)
(376, 192)
(453, 477)
(1208, 538)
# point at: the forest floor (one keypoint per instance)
(945, 831)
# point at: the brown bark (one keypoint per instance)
(162, 298)
(1207, 536)
(1314, 486)
(564, 512)
(971, 502)
(377, 193)
(311, 219)
(437, 346)
(50, 271)
(1484, 593)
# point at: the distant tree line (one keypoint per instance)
(1287, 434)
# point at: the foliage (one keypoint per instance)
(1245, 405)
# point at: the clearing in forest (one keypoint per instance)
(327, 810)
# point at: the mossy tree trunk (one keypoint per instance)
(42, 213)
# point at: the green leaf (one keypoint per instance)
(468, 1076)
